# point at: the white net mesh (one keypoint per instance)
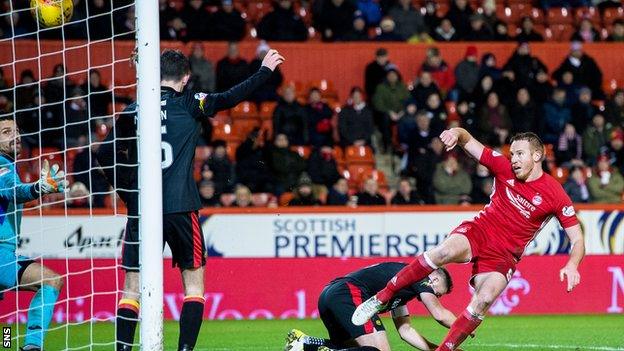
(63, 86)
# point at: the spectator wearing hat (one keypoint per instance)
(339, 193)
(290, 118)
(369, 196)
(207, 194)
(375, 72)
(286, 165)
(576, 186)
(334, 20)
(439, 69)
(569, 148)
(227, 23)
(389, 99)
(596, 136)
(405, 194)
(355, 121)
(479, 31)
(607, 184)
(617, 32)
(583, 110)
(450, 181)
(615, 149)
(445, 32)
(358, 31)
(556, 115)
(282, 24)
(319, 116)
(232, 69)
(488, 67)
(268, 91)
(388, 31)
(409, 21)
(459, 13)
(583, 68)
(614, 111)
(527, 31)
(219, 169)
(467, 72)
(303, 194)
(524, 65)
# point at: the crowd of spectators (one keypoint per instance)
(338, 20)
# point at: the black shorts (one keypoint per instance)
(336, 305)
(181, 231)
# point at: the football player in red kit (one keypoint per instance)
(523, 200)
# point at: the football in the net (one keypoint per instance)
(52, 13)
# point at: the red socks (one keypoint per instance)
(410, 274)
(460, 330)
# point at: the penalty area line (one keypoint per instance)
(552, 347)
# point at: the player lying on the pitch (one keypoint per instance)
(340, 297)
(19, 272)
(524, 198)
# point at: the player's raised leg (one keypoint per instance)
(455, 249)
(488, 287)
(47, 285)
(192, 309)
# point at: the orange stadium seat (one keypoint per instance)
(242, 127)
(559, 15)
(223, 131)
(285, 198)
(355, 174)
(611, 14)
(359, 155)
(537, 15)
(327, 88)
(230, 149)
(561, 32)
(561, 174)
(591, 13)
(245, 109)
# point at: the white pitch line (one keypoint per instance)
(553, 347)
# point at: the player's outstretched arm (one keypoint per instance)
(437, 310)
(577, 252)
(240, 92)
(459, 136)
(410, 335)
(51, 181)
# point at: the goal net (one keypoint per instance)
(64, 86)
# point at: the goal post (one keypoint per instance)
(150, 179)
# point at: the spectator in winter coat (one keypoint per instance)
(227, 23)
(445, 32)
(584, 68)
(583, 110)
(202, 71)
(595, 137)
(524, 66)
(232, 69)
(607, 184)
(576, 186)
(375, 72)
(219, 169)
(322, 167)
(527, 31)
(614, 112)
(303, 195)
(389, 99)
(290, 118)
(286, 165)
(405, 195)
(355, 121)
(450, 182)
(339, 193)
(586, 32)
(459, 13)
(268, 91)
(424, 87)
(334, 20)
(569, 148)
(523, 113)
(358, 31)
(251, 163)
(388, 32)
(409, 21)
(467, 73)
(369, 195)
(319, 119)
(440, 70)
(556, 116)
(282, 24)
(494, 120)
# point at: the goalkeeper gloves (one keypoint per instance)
(51, 180)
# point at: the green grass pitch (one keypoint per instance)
(577, 332)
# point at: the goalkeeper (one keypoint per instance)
(181, 117)
(19, 272)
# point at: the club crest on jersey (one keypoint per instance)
(511, 182)
(568, 211)
(537, 200)
(200, 96)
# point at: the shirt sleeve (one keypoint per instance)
(495, 161)
(203, 104)
(12, 189)
(564, 210)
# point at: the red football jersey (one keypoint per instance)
(517, 209)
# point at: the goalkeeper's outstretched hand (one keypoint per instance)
(51, 180)
(272, 59)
